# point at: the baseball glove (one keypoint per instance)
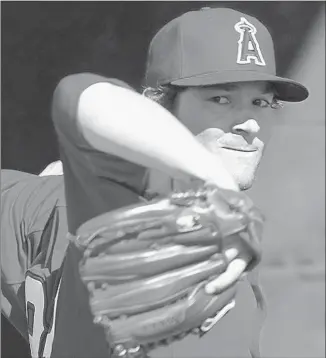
(146, 266)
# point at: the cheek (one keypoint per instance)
(198, 116)
(191, 114)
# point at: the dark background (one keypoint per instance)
(44, 41)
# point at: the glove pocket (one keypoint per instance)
(141, 295)
(120, 268)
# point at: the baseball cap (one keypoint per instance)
(215, 46)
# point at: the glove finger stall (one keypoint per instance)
(106, 243)
(137, 296)
(164, 322)
(115, 268)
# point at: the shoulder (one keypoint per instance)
(11, 177)
(29, 198)
(29, 205)
(50, 195)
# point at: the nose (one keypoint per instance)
(247, 129)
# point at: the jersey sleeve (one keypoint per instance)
(76, 148)
(65, 103)
(95, 182)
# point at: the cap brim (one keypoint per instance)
(287, 90)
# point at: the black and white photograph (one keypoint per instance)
(162, 179)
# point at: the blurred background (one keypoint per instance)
(44, 41)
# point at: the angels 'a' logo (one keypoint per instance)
(248, 46)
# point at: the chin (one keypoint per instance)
(243, 168)
(244, 176)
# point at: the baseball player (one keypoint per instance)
(213, 73)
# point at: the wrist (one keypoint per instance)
(216, 173)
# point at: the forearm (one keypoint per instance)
(120, 122)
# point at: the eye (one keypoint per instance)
(262, 103)
(220, 100)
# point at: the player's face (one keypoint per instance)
(233, 120)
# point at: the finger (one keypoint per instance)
(231, 253)
(232, 274)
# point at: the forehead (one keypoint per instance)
(256, 87)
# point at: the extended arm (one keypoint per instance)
(118, 121)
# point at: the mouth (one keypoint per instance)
(241, 149)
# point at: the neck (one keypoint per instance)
(162, 184)
(159, 182)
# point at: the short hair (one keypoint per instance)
(165, 95)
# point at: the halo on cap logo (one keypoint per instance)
(248, 46)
